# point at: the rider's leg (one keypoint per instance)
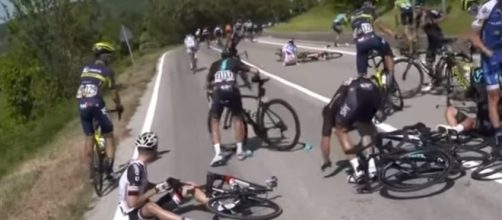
(88, 128)
(216, 110)
(362, 54)
(238, 123)
(151, 209)
(458, 120)
(493, 89)
(368, 131)
(327, 130)
(107, 131)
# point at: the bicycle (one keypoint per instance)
(97, 167)
(258, 118)
(311, 56)
(391, 93)
(400, 167)
(238, 200)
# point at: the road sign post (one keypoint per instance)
(125, 36)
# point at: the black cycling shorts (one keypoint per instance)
(229, 98)
(407, 18)
(483, 127)
(337, 28)
(356, 106)
(136, 215)
(365, 45)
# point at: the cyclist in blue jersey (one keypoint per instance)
(337, 26)
(486, 35)
(363, 21)
(222, 83)
(289, 53)
(94, 79)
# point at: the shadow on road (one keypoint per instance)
(340, 166)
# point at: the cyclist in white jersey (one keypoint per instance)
(191, 45)
(289, 52)
(134, 192)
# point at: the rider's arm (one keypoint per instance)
(210, 76)
(135, 198)
(245, 68)
(440, 17)
(115, 91)
(477, 24)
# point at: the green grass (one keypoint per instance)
(319, 19)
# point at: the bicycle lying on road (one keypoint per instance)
(304, 57)
(241, 199)
(265, 120)
(98, 169)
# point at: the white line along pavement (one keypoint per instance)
(382, 126)
(150, 114)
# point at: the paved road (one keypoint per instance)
(180, 120)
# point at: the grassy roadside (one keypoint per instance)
(319, 19)
(52, 185)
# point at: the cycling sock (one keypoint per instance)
(459, 128)
(355, 164)
(217, 149)
(239, 147)
(371, 166)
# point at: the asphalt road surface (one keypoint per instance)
(179, 113)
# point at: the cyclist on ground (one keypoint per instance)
(352, 107)
(363, 21)
(135, 190)
(221, 81)
(486, 36)
(429, 20)
(95, 78)
(337, 26)
(191, 46)
(405, 8)
(289, 53)
(459, 121)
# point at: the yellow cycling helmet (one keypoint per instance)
(103, 47)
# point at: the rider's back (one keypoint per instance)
(94, 78)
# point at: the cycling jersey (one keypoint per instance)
(403, 5)
(356, 100)
(225, 92)
(205, 32)
(430, 27)
(190, 44)
(133, 182)
(340, 19)
(489, 22)
(362, 23)
(289, 49)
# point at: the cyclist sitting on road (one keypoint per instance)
(94, 78)
(405, 8)
(135, 190)
(353, 106)
(485, 36)
(191, 46)
(459, 121)
(429, 21)
(337, 26)
(289, 52)
(366, 39)
(222, 81)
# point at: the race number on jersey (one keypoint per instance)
(224, 76)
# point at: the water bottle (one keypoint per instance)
(307, 147)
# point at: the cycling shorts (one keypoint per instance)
(407, 18)
(90, 112)
(191, 50)
(356, 106)
(483, 125)
(229, 98)
(290, 58)
(365, 45)
(337, 28)
(491, 70)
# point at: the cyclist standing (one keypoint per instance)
(218, 34)
(429, 21)
(406, 18)
(191, 46)
(486, 35)
(221, 81)
(352, 107)
(134, 195)
(337, 26)
(205, 36)
(363, 20)
(94, 79)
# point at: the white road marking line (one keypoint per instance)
(308, 47)
(150, 114)
(382, 126)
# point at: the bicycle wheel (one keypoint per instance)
(409, 68)
(270, 121)
(243, 207)
(97, 170)
(415, 170)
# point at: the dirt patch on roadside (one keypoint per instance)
(54, 185)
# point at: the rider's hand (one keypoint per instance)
(119, 108)
(162, 187)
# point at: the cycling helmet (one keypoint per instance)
(147, 141)
(103, 47)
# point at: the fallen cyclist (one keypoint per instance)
(289, 53)
(459, 121)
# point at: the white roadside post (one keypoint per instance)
(125, 36)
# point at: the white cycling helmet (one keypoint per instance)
(147, 141)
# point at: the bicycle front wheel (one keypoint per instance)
(243, 207)
(415, 170)
(274, 127)
(412, 74)
(97, 170)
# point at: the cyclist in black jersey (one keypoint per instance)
(363, 21)
(222, 82)
(459, 121)
(96, 77)
(352, 107)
